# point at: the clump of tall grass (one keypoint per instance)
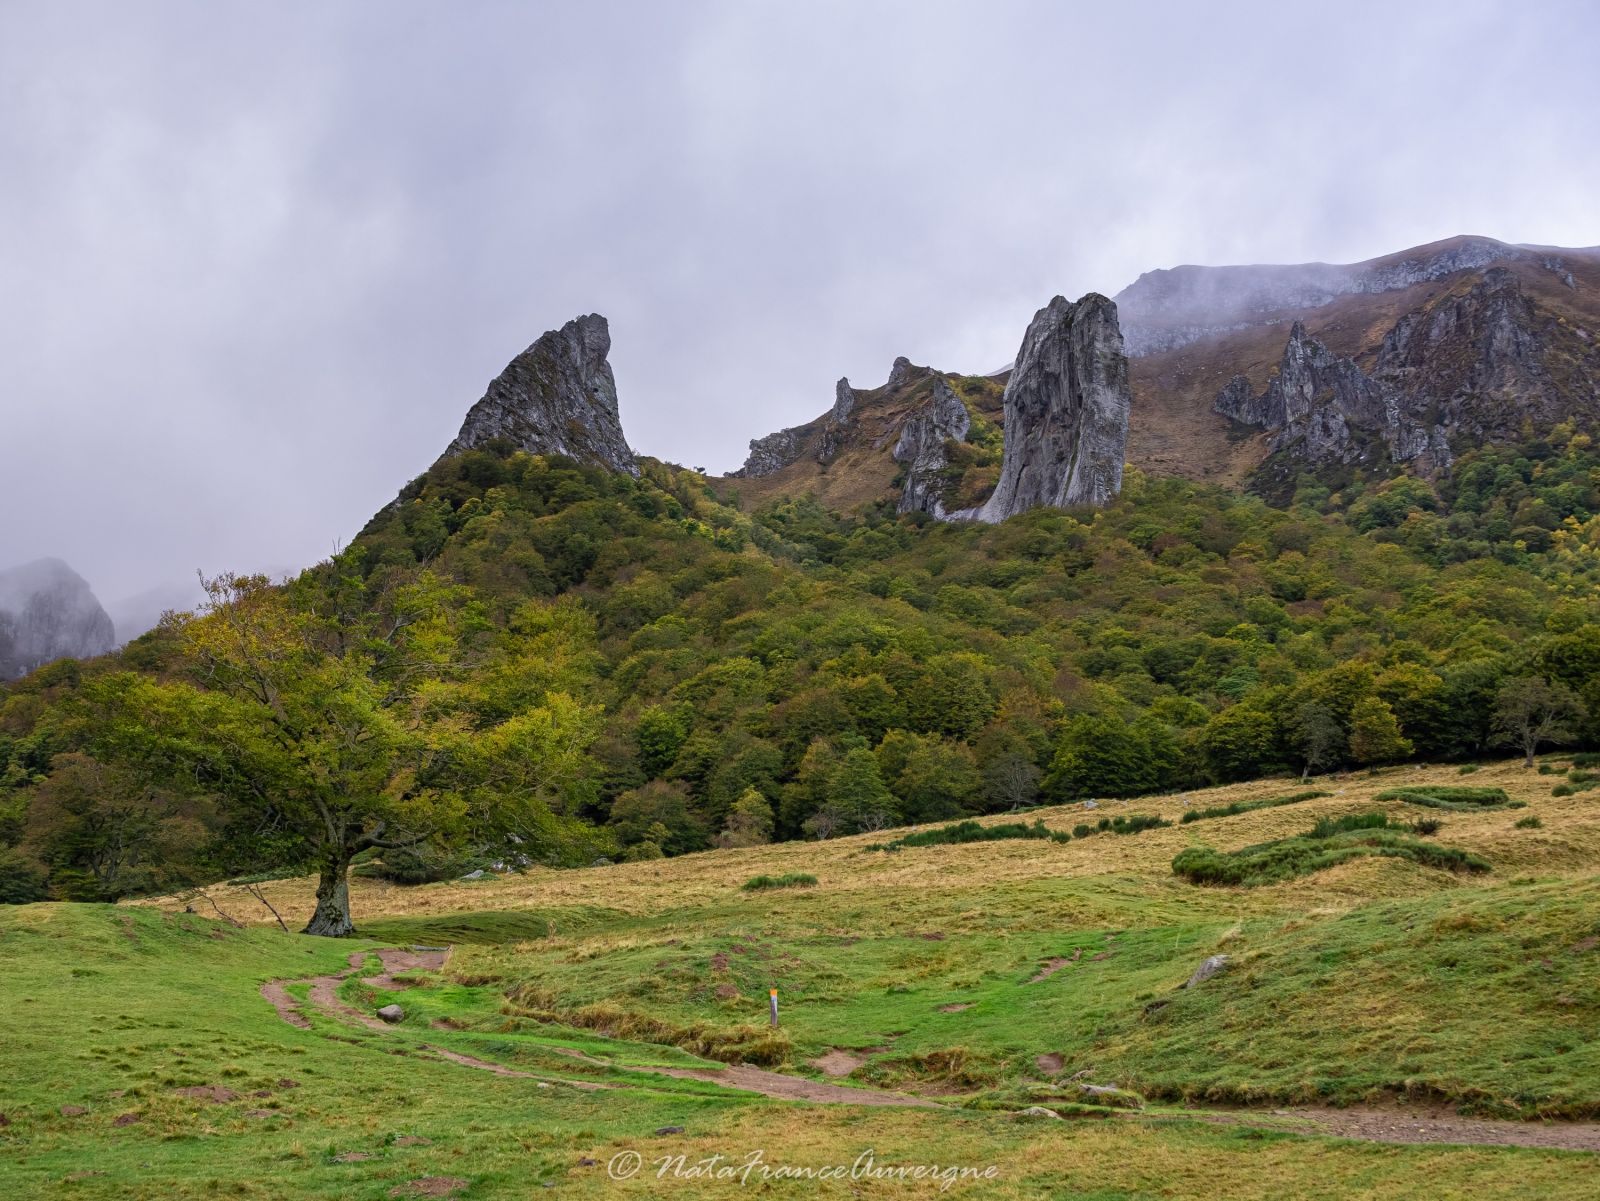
(788, 880)
(1195, 815)
(1330, 842)
(1459, 798)
(971, 831)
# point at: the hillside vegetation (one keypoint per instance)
(555, 664)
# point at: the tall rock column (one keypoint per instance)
(1066, 412)
(556, 397)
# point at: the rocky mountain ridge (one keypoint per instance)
(48, 612)
(1172, 307)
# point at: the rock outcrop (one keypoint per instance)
(923, 448)
(844, 401)
(1471, 366)
(837, 427)
(770, 454)
(556, 397)
(1325, 409)
(49, 612)
(1166, 309)
(1066, 412)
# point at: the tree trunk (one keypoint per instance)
(332, 918)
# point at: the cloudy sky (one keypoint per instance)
(256, 260)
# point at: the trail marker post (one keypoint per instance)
(774, 996)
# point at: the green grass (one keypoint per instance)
(1460, 799)
(1238, 807)
(104, 1001)
(478, 928)
(787, 880)
(1330, 842)
(951, 972)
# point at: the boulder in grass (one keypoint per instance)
(1206, 970)
(1038, 1111)
(392, 1014)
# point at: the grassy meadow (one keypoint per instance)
(985, 976)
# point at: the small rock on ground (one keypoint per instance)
(1039, 1111)
(669, 1129)
(1206, 970)
(392, 1013)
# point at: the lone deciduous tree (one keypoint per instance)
(1318, 736)
(327, 734)
(1530, 712)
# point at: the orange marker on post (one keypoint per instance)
(774, 993)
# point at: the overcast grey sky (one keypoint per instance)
(256, 260)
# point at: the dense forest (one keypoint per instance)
(526, 660)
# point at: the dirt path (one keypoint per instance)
(1374, 1124)
(773, 1084)
(1420, 1124)
(324, 995)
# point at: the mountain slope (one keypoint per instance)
(48, 612)
(1192, 330)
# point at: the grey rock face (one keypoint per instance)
(556, 397)
(903, 372)
(770, 454)
(1066, 412)
(1207, 969)
(1325, 409)
(48, 612)
(844, 401)
(392, 1014)
(923, 448)
(1469, 368)
(1166, 309)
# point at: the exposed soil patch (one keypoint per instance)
(957, 1007)
(838, 1062)
(773, 1084)
(1051, 966)
(429, 1186)
(1049, 1063)
(354, 1157)
(412, 1140)
(1587, 944)
(288, 1008)
(396, 960)
(126, 1119)
(500, 1069)
(213, 1093)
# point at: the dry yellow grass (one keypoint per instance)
(1568, 843)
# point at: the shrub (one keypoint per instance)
(971, 831)
(1082, 830)
(1134, 823)
(1331, 842)
(418, 865)
(789, 880)
(1529, 823)
(21, 881)
(1466, 769)
(1195, 815)
(1461, 799)
(1427, 827)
